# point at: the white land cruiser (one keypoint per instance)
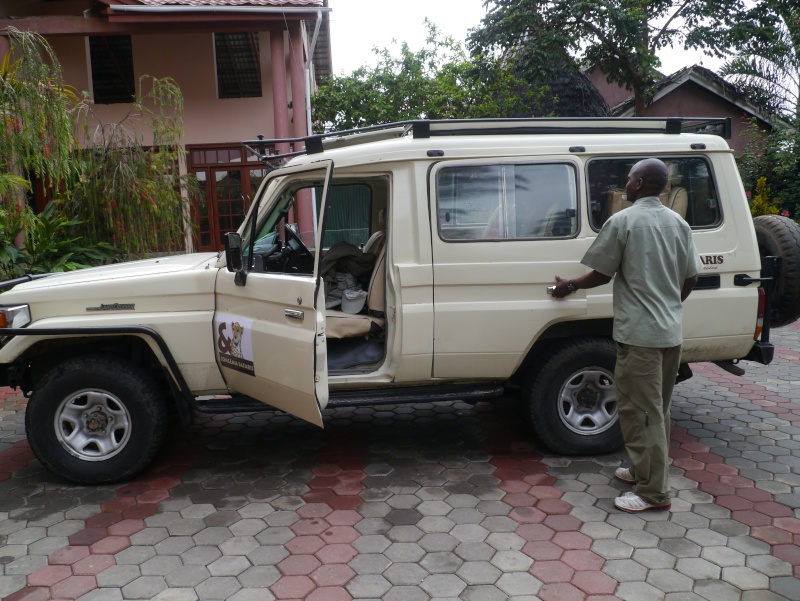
(423, 277)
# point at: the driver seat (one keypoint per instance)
(347, 325)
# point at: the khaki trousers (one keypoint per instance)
(645, 378)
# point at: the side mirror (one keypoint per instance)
(233, 257)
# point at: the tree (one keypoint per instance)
(770, 168)
(767, 63)
(110, 183)
(621, 37)
(438, 81)
(36, 134)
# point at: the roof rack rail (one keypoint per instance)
(422, 128)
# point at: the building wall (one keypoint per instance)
(189, 60)
(612, 92)
(692, 100)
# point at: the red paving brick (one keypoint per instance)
(552, 571)
(336, 554)
(93, 565)
(49, 575)
(73, 587)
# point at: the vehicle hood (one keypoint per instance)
(176, 283)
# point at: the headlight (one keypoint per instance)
(15, 317)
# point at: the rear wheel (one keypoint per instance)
(94, 420)
(571, 398)
(779, 236)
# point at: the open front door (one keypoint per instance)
(269, 332)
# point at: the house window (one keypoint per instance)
(111, 60)
(238, 65)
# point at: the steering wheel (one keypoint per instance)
(295, 242)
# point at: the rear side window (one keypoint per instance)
(690, 190)
(507, 202)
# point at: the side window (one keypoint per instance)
(283, 243)
(690, 191)
(348, 215)
(506, 202)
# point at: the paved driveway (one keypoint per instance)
(430, 501)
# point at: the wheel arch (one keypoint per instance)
(560, 331)
(139, 345)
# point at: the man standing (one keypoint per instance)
(650, 249)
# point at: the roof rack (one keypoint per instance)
(315, 144)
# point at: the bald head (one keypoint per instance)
(647, 178)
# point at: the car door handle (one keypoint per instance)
(294, 314)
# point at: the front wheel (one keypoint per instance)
(571, 398)
(95, 420)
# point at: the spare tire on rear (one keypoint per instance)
(779, 236)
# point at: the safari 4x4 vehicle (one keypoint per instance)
(449, 234)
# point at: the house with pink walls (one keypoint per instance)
(245, 67)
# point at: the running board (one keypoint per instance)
(420, 394)
(365, 398)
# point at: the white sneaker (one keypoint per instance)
(633, 503)
(623, 474)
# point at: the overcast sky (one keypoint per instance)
(357, 26)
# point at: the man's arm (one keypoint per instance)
(688, 286)
(593, 279)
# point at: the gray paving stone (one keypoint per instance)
(443, 585)
(257, 577)
(217, 587)
(405, 574)
(202, 555)
(745, 578)
(518, 584)
(187, 576)
(723, 556)
(109, 594)
(160, 566)
(475, 551)
(371, 543)
(144, 587)
(11, 584)
(612, 549)
(435, 523)
(625, 570)
(483, 593)
(229, 565)
(717, 590)
(788, 587)
(505, 541)
(669, 581)
(135, 555)
(368, 586)
(370, 563)
(149, 536)
(654, 558)
(638, 591)
(511, 561)
(769, 565)
(441, 562)
(479, 572)
(239, 545)
(174, 545)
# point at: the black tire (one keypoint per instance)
(571, 399)
(779, 236)
(96, 420)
